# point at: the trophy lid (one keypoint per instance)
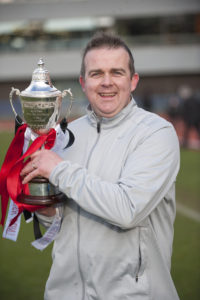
(41, 85)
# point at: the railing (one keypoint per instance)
(22, 44)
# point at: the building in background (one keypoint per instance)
(164, 37)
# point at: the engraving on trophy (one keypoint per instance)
(38, 105)
(40, 114)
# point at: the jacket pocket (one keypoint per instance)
(142, 255)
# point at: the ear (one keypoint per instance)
(134, 81)
(82, 82)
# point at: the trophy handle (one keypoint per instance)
(64, 93)
(13, 90)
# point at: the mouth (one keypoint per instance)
(107, 95)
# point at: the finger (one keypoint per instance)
(29, 176)
(47, 211)
(31, 166)
(35, 154)
(27, 169)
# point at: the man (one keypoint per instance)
(115, 241)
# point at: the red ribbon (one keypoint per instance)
(10, 179)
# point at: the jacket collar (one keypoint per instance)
(111, 122)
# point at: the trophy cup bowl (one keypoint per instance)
(41, 105)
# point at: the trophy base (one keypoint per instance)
(42, 192)
(41, 200)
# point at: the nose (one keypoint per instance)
(106, 80)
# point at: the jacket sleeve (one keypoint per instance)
(147, 175)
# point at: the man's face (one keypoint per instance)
(107, 82)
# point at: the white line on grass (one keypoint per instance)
(188, 212)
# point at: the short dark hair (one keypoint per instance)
(110, 41)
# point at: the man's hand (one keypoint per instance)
(42, 163)
(47, 211)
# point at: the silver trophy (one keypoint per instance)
(41, 106)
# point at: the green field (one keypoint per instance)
(24, 270)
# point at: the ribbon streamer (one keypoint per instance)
(10, 179)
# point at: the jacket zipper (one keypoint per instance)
(98, 126)
(78, 217)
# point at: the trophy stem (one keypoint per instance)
(42, 192)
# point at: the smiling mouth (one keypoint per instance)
(107, 94)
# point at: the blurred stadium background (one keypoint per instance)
(164, 36)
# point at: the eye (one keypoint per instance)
(117, 72)
(96, 74)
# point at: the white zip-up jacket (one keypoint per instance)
(115, 241)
